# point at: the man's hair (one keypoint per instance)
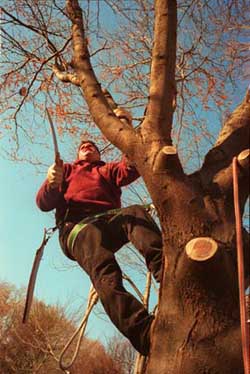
(88, 141)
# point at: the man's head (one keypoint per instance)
(88, 151)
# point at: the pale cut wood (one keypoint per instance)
(244, 158)
(201, 249)
(165, 154)
(244, 155)
(169, 150)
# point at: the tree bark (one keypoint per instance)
(198, 314)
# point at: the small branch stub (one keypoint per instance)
(65, 76)
(169, 150)
(244, 154)
(201, 249)
(165, 158)
(243, 159)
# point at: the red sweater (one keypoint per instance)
(87, 189)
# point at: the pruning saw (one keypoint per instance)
(47, 234)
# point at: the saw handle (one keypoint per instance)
(58, 162)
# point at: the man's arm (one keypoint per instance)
(50, 193)
(123, 173)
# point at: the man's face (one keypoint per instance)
(88, 152)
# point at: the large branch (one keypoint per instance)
(233, 139)
(223, 180)
(162, 88)
(117, 132)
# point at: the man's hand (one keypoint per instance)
(123, 115)
(55, 175)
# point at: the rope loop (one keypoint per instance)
(92, 300)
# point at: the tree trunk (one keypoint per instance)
(197, 328)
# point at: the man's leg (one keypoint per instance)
(141, 230)
(94, 251)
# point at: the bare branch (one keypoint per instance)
(35, 77)
(224, 178)
(129, 280)
(233, 138)
(162, 89)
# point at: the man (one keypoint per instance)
(87, 188)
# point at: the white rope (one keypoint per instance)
(92, 300)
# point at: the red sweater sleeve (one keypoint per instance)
(122, 173)
(48, 198)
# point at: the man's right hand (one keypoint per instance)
(55, 175)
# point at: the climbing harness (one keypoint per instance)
(83, 223)
(240, 261)
(32, 281)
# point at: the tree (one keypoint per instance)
(122, 353)
(198, 316)
(35, 347)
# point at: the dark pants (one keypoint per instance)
(94, 250)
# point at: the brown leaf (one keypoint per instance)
(23, 91)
